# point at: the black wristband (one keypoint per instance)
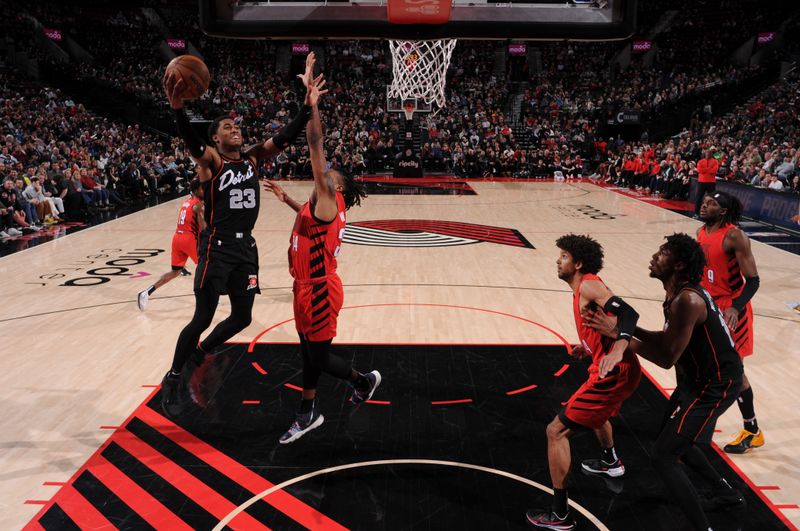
(288, 134)
(750, 287)
(627, 317)
(193, 141)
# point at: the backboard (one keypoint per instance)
(469, 19)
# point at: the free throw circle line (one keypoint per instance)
(241, 508)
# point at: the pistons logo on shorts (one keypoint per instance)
(252, 282)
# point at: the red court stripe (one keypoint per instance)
(54, 483)
(36, 502)
(521, 390)
(445, 402)
(251, 402)
(149, 386)
(258, 367)
(725, 457)
(562, 370)
(290, 386)
(768, 487)
(138, 499)
(84, 466)
(33, 525)
(788, 506)
(80, 510)
(379, 402)
(109, 427)
(178, 477)
(300, 512)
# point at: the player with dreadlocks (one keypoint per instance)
(731, 278)
(318, 295)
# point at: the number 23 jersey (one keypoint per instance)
(232, 197)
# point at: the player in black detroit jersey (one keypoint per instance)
(228, 256)
(708, 370)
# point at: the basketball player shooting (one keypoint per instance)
(228, 256)
(318, 295)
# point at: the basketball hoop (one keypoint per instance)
(419, 70)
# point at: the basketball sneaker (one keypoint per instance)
(726, 499)
(550, 520)
(185, 272)
(4, 234)
(744, 442)
(14, 232)
(142, 299)
(363, 394)
(303, 423)
(598, 466)
(170, 387)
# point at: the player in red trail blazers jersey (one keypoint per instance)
(228, 256)
(314, 244)
(184, 241)
(613, 376)
(731, 277)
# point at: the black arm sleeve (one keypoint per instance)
(750, 288)
(193, 141)
(288, 134)
(627, 317)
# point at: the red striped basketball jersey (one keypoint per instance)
(595, 344)
(314, 244)
(721, 276)
(187, 220)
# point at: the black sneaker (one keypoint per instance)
(185, 272)
(539, 519)
(598, 466)
(303, 423)
(729, 498)
(362, 395)
(170, 387)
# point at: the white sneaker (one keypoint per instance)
(14, 232)
(142, 299)
(4, 234)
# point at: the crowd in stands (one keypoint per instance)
(62, 160)
(755, 144)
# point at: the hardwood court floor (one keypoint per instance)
(79, 358)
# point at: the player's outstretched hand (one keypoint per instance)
(273, 187)
(173, 87)
(315, 90)
(308, 75)
(608, 362)
(600, 321)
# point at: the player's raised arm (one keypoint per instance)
(324, 197)
(287, 135)
(206, 157)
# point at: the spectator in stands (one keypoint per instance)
(46, 209)
(706, 179)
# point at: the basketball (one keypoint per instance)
(194, 73)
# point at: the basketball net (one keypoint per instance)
(419, 70)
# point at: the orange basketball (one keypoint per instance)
(194, 73)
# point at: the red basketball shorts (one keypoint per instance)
(598, 400)
(743, 335)
(316, 307)
(184, 246)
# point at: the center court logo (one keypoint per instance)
(429, 233)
